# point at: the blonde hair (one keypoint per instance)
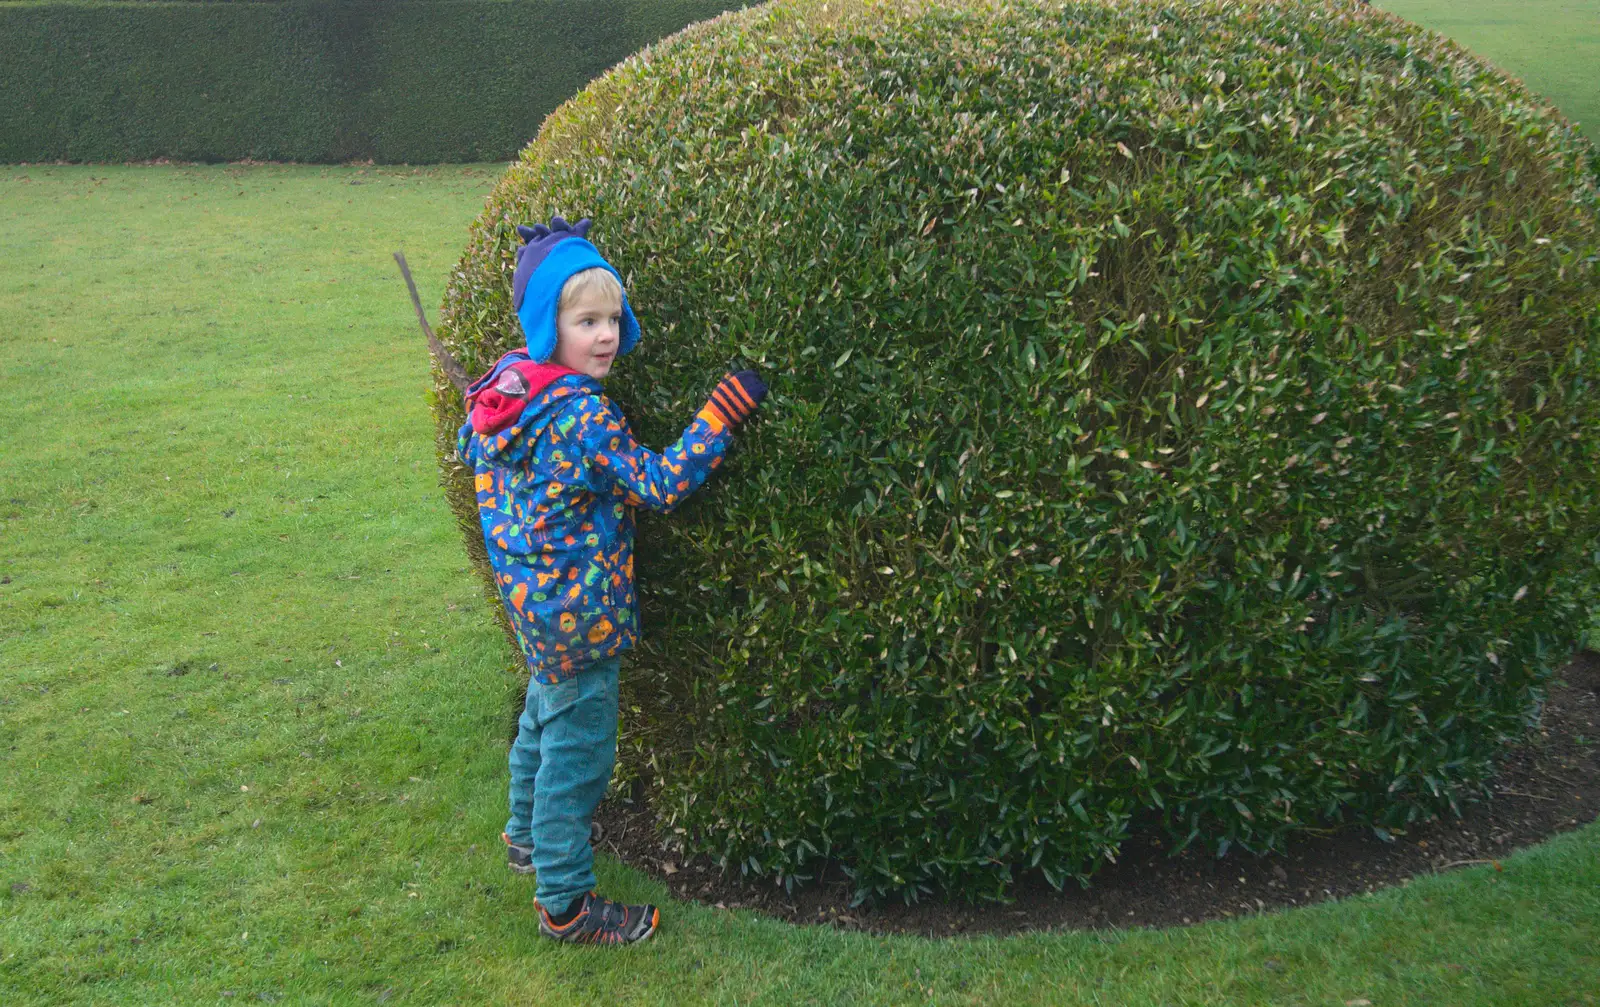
(598, 279)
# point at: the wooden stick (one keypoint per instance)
(1518, 793)
(451, 367)
(1555, 779)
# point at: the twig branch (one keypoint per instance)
(448, 364)
(1555, 779)
(1461, 863)
(1518, 793)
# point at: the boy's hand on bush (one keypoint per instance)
(736, 397)
(751, 385)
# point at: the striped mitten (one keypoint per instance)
(734, 399)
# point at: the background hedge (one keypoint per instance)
(1183, 417)
(396, 82)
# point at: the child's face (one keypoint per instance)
(589, 333)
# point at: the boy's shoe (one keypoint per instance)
(601, 921)
(520, 858)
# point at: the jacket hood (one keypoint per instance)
(515, 397)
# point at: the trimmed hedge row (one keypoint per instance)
(396, 82)
(1183, 416)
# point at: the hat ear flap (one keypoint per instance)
(581, 228)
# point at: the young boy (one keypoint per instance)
(558, 477)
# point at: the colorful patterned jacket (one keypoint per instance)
(558, 476)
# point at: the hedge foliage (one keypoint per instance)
(1183, 417)
(396, 81)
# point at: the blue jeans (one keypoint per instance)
(560, 766)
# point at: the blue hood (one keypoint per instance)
(537, 312)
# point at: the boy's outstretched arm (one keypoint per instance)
(617, 464)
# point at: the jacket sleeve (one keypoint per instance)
(616, 464)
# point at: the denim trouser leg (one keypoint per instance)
(560, 765)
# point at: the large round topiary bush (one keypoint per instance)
(1183, 416)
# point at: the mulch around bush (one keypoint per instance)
(1547, 785)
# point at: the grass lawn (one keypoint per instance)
(1552, 45)
(253, 707)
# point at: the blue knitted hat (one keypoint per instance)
(548, 259)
